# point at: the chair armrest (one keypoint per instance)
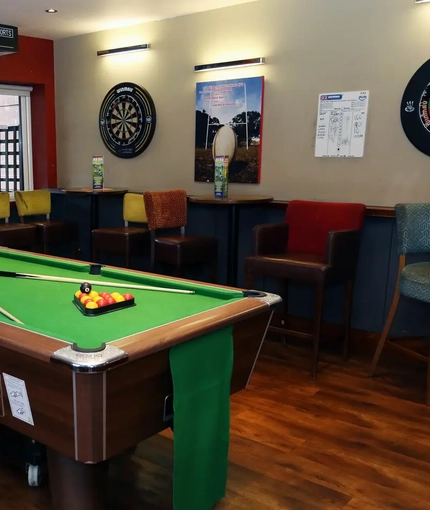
(270, 238)
(342, 249)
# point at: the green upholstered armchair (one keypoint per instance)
(413, 280)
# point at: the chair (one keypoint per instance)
(317, 244)
(168, 210)
(124, 240)
(37, 203)
(413, 280)
(15, 235)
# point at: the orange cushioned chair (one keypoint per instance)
(36, 204)
(317, 244)
(15, 235)
(168, 210)
(126, 240)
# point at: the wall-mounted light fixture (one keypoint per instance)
(225, 65)
(421, 1)
(125, 49)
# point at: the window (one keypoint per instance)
(16, 162)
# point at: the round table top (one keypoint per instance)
(231, 199)
(113, 191)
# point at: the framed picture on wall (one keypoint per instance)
(229, 120)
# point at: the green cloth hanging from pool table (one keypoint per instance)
(201, 371)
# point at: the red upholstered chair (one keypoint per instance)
(317, 244)
(168, 210)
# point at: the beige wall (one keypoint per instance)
(311, 47)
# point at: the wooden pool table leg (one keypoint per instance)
(75, 485)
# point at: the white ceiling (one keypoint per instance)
(77, 17)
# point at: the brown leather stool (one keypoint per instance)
(126, 240)
(168, 210)
(317, 244)
(38, 203)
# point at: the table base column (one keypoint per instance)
(75, 485)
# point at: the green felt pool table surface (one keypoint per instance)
(46, 307)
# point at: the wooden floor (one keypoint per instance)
(341, 442)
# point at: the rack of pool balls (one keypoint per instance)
(91, 302)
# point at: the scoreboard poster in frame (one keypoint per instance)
(229, 121)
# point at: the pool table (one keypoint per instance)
(97, 386)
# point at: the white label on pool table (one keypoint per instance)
(18, 398)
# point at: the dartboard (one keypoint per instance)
(415, 109)
(127, 120)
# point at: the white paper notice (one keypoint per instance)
(341, 125)
(18, 398)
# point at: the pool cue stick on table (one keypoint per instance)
(29, 276)
(9, 315)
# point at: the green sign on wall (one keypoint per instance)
(8, 39)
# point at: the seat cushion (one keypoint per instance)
(17, 236)
(185, 249)
(53, 231)
(121, 240)
(415, 281)
(291, 266)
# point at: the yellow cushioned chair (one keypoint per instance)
(32, 205)
(14, 235)
(126, 240)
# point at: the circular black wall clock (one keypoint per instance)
(415, 109)
(127, 120)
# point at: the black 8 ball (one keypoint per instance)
(85, 288)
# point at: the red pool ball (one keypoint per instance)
(128, 296)
(101, 302)
(110, 300)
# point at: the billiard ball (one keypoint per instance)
(90, 304)
(115, 294)
(119, 298)
(104, 294)
(78, 294)
(110, 300)
(128, 296)
(93, 295)
(101, 301)
(85, 288)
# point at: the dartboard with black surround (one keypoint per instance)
(127, 120)
(415, 109)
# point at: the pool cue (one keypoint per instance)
(29, 276)
(9, 315)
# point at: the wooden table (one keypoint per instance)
(233, 202)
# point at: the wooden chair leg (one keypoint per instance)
(214, 271)
(349, 291)
(385, 331)
(319, 301)
(95, 256)
(285, 293)
(249, 284)
(428, 382)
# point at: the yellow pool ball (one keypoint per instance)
(119, 298)
(115, 294)
(78, 294)
(91, 304)
(84, 297)
(93, 294)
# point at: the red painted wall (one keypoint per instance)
(34, 65)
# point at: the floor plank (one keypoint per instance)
(343, 442)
